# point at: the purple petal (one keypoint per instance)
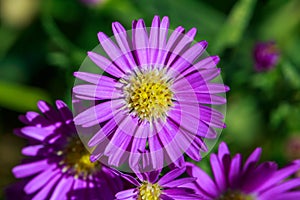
(140, 42)
(257, 177)
(130, 179)
(213, 88)
(223, 150)
(122, 39)
(171, 176)
(105, 64)
(114, 53)
(163, 34)
(211, 99)
(154, 40)
(218, 171)
(179, 182)
(235, 171)
(45, 192)
(180, 193)
(195, 79)
(138, 145)
(62, 188)
(95, 114)
(252, 159)
(64, 111)
(103, 133)
(188, 57)
(117, 147)
(203, 180)
(291, 196)
(207, 63)
(30, 116)
(281, 174)
(194, 152)
(127, 194)
(156, 152)
(103, 91)
(29, 169)
(165, 197)
(180, 45)
(40, 180)
(48, 111)
(79, 185)
(280, 189)
(94, 78)
(32, 150)
(37, 132)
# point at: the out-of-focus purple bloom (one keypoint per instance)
(92, 2)
(149, 186)
(156, 101)
(58, 166)
(249, 181)
(266, 55)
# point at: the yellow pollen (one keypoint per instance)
(149, 191)
(148, 94)
(77, 159)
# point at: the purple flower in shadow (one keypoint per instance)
(58, 164)
(249, 181)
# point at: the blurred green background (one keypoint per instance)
(43, 42)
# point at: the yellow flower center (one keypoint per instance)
(148, 94)
(235, 195)
(149, 191)
(76, 159)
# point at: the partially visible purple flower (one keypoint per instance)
(58, 166)
(149, 186)
(249, 181)
(92, 2)
(155, 100)
(266, 55)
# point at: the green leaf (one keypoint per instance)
(233, 29)
(291, 73)
(243, 121)
(19, 97)
(186, 13)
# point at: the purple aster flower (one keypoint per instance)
(148, 186)
(58, 166)
(251, 181)
(156, 99)
(266, 55)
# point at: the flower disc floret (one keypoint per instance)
(148, 94)
(149, 191)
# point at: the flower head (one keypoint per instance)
(155, 100)
(59, 165)
(266, 55)
(149, 186)
(249, 181)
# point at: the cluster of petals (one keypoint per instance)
(46, 177)
(255, 181)
(166, 131)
